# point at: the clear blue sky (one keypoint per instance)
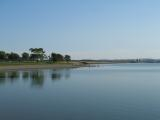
(95, 29)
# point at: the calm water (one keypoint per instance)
(107, 92)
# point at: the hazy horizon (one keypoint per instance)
(85, 29)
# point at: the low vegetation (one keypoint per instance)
(35, 56)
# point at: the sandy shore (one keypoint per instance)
(43, 66)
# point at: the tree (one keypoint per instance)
(34, 57)
(2, 55)
(7, 56)
(13, 56)
(67, 58)
(25, 56)
(56, 57)
(37, 53)
(60, 57)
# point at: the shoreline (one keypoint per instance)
(53, 66)
(42, 66)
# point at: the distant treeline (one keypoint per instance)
(36, 54)
(141, 60)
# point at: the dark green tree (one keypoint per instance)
(13, 56)
(57, 57)
(7, 56)
(2, 55)
(67, 58)
(25, 56)
(37, 53)
(60, 57)
(53, 57)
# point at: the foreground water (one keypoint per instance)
(107, 92)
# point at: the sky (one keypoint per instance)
(85, 29)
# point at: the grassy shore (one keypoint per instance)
(38, 65)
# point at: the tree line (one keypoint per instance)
(36, 54)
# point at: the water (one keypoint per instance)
(107, 92)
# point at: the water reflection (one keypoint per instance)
(56, 75)
(2, 77)
(10, 76)
(13, 76)
(36, 78)
(59, 74)
(67, 73)
(25, 75)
